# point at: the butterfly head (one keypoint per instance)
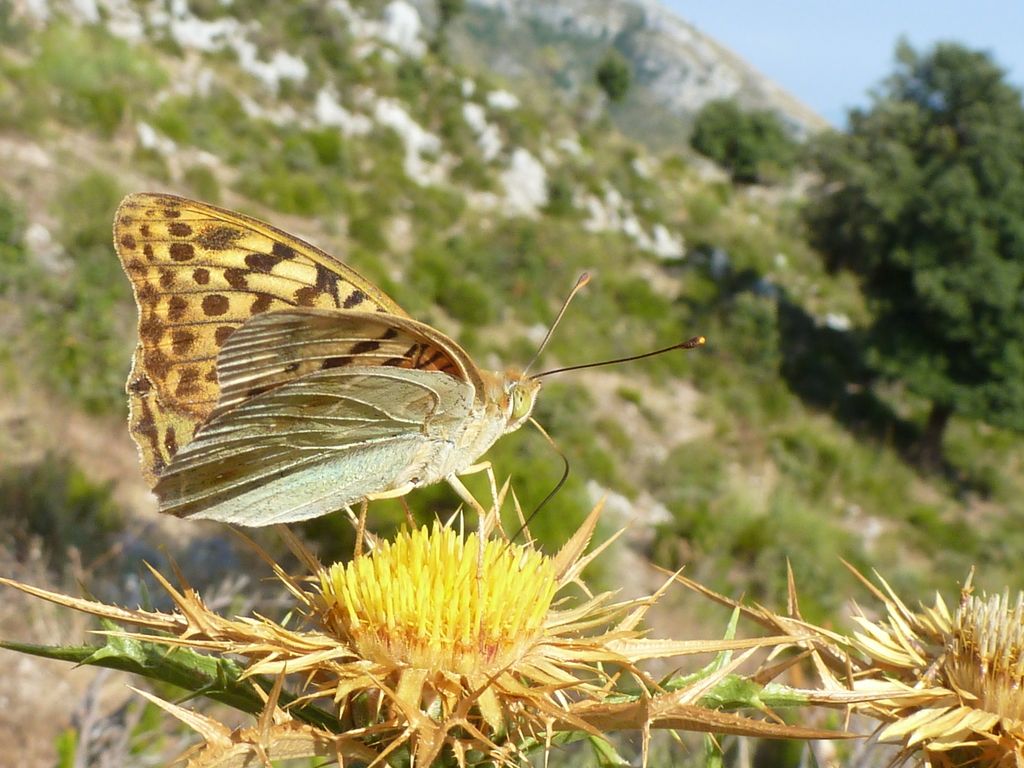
(520, 395)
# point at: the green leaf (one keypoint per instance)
(201, 675)
(713, 757)
(605, 753)
(67, 745)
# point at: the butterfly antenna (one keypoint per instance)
(696, 341)
(580, 283)
(556, 489)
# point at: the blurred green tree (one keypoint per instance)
(923, 198)
(447, 10)
(752, 145)
(614, 75)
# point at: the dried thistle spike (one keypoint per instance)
(947, 686)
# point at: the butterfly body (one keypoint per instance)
(273, 383)
(218, 475)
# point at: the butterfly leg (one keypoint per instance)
(485, 466)
(466, 496)
(463, 493)
(359, 524)
(361, 527)
(409, 519)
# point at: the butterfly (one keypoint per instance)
(273, 383)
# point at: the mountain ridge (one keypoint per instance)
(676, 67)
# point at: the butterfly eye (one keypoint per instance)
(522, 404)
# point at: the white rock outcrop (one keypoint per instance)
(525, 184)
(401, 28)
(416, 139)
(488, 138)
(502, 101)
(613, 213)
(330, 112)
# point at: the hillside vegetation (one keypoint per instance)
(476, 206)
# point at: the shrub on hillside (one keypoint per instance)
(752, 146)
(614, 76)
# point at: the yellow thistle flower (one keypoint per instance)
(421, 602)
(432, 642)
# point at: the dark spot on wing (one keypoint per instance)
(179, 229)
(327, 282)
(356, 297)
(262, 303)
(306, 297)
(262, 262)
(218, 238)
(182, 341)
(128, 242)
(157, 363)
(150, 330)
(236, 278)
(336, 362)
(365, 346)
(172, 213)
(188, 384)
(182, 251)
(282, 251)
(166, 278)
(147, 292)
(147, 428)
(215, 304)
(170, 441)
(222, 333)
(176, 308)
(147, 249)
(140, 386)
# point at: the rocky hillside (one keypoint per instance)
(676, 67)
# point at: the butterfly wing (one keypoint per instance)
(198, 273)
(318, 410)
(312, 446)
(272, 349)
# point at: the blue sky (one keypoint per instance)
(829, 54)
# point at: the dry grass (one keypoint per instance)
(39, 701)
